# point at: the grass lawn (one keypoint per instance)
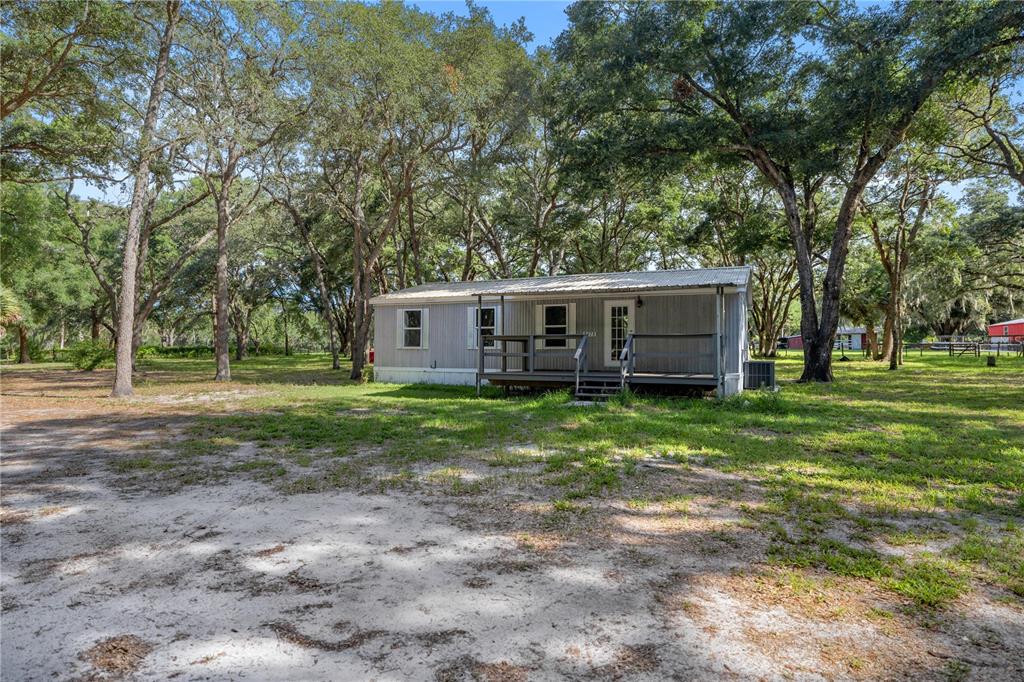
(906, 484)
(856, 476)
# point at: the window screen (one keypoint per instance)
(556, 321)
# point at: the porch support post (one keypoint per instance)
(479, 345)
(501, 330)
(719, 379)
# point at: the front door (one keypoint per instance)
(619, 322)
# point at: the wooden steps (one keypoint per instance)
(598, 388)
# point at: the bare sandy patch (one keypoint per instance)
(233, 577)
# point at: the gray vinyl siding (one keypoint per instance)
(689, 314)
(735, 331)
(446, 338)
(679, 313)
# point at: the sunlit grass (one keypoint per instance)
(933, 451)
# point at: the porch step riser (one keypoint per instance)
(598, 390)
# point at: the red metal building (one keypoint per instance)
(1011, 330)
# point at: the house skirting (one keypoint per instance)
(425, 375)
(455, 376)
(733, 384)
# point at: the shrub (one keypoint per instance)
(35, 349)
(146, 352)
(192, 352)
(88, 355)
(623, 398)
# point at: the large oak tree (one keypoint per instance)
(812, 95)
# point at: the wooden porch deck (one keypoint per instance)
(543, 377)
(526, 350)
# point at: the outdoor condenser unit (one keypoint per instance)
(758, 374)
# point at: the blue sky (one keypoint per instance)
(545, 18)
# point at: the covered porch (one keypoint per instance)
(615, 342)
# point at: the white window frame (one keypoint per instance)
(400, 340)
(570, 323)
(471, 326)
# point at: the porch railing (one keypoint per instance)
(626, 361)
(526, 348)
(629, 354)
(581, 360)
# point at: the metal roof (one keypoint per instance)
(573, 284)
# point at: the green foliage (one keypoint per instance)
(623, 398)
(627, 147)
(10, 308)
(837, 557)
(65, 64)
(813, 97)
(144, 352)
(89, 355)
(194, 352)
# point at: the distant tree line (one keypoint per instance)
(268, 167)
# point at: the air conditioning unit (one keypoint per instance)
(758, 374)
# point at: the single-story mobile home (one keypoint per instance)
(596, 332)
(848, 338)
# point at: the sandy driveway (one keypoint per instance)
(106, 578)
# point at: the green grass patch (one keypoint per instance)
(838, 557)
(930, 581)
(1002, 558)
(841, 467)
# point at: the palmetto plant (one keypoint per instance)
(10, 310)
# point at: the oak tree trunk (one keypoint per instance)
(325, 301)
(23, 355)
(287, 350)
(872, 339)
(221, 344)
(241, 343)
(895, 359)
(887, 327)
(125, 348)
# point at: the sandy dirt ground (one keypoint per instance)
(106, 577)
